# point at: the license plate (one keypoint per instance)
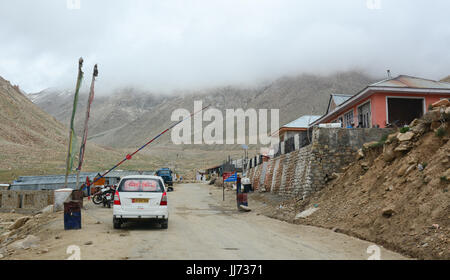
(139, 200)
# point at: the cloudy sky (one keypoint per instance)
(162, 45)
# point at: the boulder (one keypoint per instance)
(5, 236)
(19, 222)
(420, 128)
(435, 125)
(306, 213)
(28, 242)
(392, 137)
(402, 170)
(359, 154)
(388, 154)
(335, 175)
(407, 136)
(414, 123)
(388, 211)
(369, 144)
(244, 208)
(447, 111)
(403, 147)
(432, 115)
(447, 173)
(410, 168)
(364, 166)
(443, 102)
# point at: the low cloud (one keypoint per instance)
(178, 44)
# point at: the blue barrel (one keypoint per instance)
(72, 215)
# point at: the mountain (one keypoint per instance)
(447, 79)
(128, 117)
(33, 142)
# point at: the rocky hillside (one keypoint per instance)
(127, 117)
(33, 142)
(396, 193)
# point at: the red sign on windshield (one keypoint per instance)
(149, 186)
(140, 185)
(132, 185)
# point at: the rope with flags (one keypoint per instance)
(85, 132)
(130, 156)
(72, 136)
(88, 109)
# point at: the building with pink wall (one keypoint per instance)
(396, 101)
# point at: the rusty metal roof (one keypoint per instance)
(405, 81)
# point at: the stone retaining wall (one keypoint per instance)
(306, 170)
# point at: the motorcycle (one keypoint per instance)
(105, 196)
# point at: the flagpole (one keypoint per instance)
(71, 131)
(85, 132)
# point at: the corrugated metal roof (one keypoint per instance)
(57, 181)
(302, 122)
(411, 82)
(338, 99)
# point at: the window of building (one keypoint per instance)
(348, 119)
(364, 115)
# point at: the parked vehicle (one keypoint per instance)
(166, 174)
(140, 197)
(105, 196)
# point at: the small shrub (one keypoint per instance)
(404, 129)
(376, 145)
(381, 142)
(424, 164)
(440, 132)
(430, 107)
(444, 179)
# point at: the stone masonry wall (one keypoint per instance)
(25, 201)
(304, 171)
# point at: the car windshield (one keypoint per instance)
(164, 172)
(141, 185)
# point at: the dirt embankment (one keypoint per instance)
(395, 193)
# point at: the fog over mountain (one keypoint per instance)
(127, 117)
(161, 46)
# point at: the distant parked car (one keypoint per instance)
(140, 197)
(166, 174)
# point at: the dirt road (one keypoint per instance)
(201, 226)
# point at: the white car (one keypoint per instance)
(140, 197)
